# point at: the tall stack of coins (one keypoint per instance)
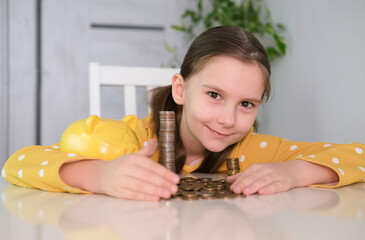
(166, 139)
(233, 166)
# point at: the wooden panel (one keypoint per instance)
(65, 66)
(4, 83)
(70, 43)
(128, 12)
(22, 74)
(128, 47)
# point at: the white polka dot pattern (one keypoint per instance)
(20, 173)
(41, 173)
(359, 150)
(263, 144)
(347, 160)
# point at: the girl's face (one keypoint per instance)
(220, 103)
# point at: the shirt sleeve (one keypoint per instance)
(347, 160)
(38, 166)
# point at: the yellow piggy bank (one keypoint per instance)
(99, 138)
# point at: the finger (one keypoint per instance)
(236, 179)
(149, 149)
(146, 187)
(274, 187)
(243, 183)
(146, 175)
(158, 169)
(250, 175)
(258, 184)
(130, 194)
(231, 179)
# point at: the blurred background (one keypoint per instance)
(46, 46)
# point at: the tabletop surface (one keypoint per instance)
(302, 213)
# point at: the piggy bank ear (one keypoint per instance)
(91, 122)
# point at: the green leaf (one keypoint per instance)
(179, 28)
(247, 14)
(269, 29)
(170, 48)
(281, 26)
(272, 53)
(280, 43)
(200, 5)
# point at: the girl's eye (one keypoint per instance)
(247, 105)
(214, 95)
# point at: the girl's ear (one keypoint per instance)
(178, 88)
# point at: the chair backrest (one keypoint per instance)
(129, 78)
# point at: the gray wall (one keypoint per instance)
(318, 87)
(18, 75)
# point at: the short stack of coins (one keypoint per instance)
(233, 166)
(191, 188)
(166, 139)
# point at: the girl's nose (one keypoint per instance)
(227, 117)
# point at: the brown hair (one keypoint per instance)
(224, 40)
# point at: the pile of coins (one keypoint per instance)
(166, 139)
(233, 166)
(191, 188)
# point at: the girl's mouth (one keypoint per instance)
(217, 134)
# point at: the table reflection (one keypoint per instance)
(254, 217)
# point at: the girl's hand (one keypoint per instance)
(136, 176)
(267, 178)
(264, 178)
(131, 176)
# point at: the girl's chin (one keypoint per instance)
(216, 148)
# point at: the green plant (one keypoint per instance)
(247, 14)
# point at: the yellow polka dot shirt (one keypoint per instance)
(38, 166)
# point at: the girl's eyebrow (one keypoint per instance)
(216, 88)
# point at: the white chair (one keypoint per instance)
(130, 78)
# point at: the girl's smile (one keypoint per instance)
(218, 134)
(220, 104)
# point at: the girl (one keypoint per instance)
(223, 80)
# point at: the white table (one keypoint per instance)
(305, 213)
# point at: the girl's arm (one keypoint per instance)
(267, 178)
(131, 176)
(271, 164)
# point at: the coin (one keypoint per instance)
(233, 166)
(191, 188)
(166, 139)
